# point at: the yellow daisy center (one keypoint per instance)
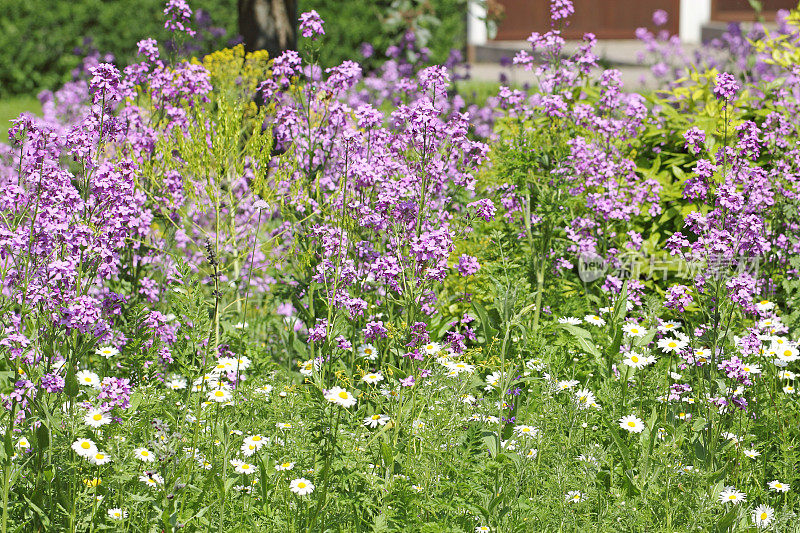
(301, 485)
(632, 424)
(97, 417)
(763, 516)
(343, 395)
(85, 445)
(145, 453)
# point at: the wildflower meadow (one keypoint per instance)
(252, 293)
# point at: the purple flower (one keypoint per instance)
(725, 86)
(678, 298)
(319, 332)
(311, 24)
(116, 392)
(104, 84)
(468, 265)
(695, 139)
(179, 15)
(484, 208)
(53, 382)
(561, 9)
(660, 17)
(375, 330)
(407, 382)
(148, 48)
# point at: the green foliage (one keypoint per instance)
(439, 24)
(38, 38)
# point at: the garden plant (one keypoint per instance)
(246, 293)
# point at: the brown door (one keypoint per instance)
(740, 10)
(607, 19)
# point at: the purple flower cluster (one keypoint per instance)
(311, 24)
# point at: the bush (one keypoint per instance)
(41, 41)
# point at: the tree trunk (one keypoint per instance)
(269, 25)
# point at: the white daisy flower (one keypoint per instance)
(574, 496)
(669, 325)
(152, 479)
(671, 345)
(368, 352)
(256, 440)
(340, 397)
(144, 455)
(765, 305)
(88, 379)
(787, 353)
(532, 453)
(23, 443)
(372, 377)
(594, 320)
(376, 420)
(566, 384)
(244, 468)
(752, 454)
(763, 515)
(751, 369)
(84, 447)
(777, 486)
(634, 360)
(631, 423)
(432, 348)
(458, 367)
(301, 486)
(307, 367)
(534, 364)
(570, 320)
(107, 352)
(99, 458)
(731, 495)
(115, 513)
(96, 418)
(493, 380)
(176, 383)
(248, 449)
(220, 395)
(526, 431)
(585, 398)
(634, 330)
(283, 467)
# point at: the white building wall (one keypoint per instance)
(694, 13)
(476, 25)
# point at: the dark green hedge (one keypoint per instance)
(349, 23)
(38, 38)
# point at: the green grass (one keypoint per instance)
(10, 108)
